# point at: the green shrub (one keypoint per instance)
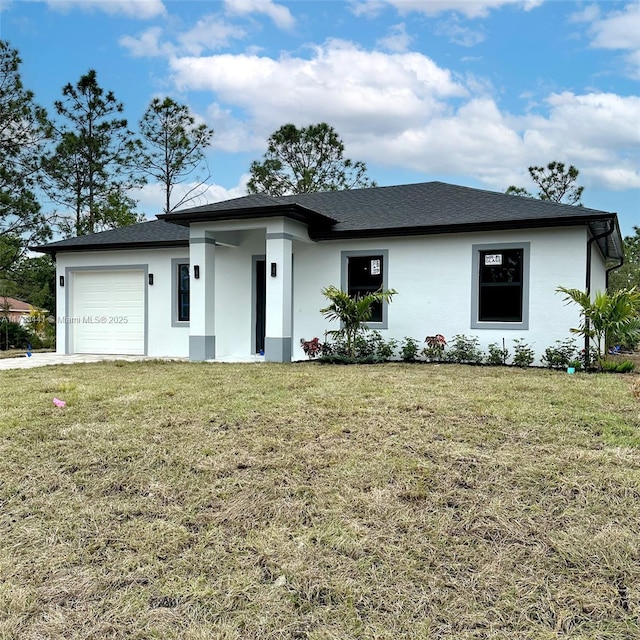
(14, 335)
(576, 364)
(409, 349)
(366, 348)
(385, 349)
(372, 345)
(561, 355)
(464, 350)
(523, 354)
(497, 355)
(611, 366)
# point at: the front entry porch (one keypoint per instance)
(241, 289)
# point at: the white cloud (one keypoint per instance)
(209, 33)
(367, 8)
(402, 110)
(339, 83)
(476, 141)
(463, 36)
(618, 30)
(147, 44)
(233, 135)
(142, 9)
(596, 119)
(468, 8)
(280, 15)
(595, 132)
(151, 197)
(397, 40)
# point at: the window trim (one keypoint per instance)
(476, 250)
(175, 276)
(344, 275)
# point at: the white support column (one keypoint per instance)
(202, 339)
(279, 268)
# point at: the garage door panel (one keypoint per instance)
(108, 308)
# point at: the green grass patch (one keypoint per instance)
(191, 501)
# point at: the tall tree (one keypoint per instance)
(93, 166)
(306, 160)
(34, 282)
(554, 182)
(174, 148)
(23, 130)
(628, 275)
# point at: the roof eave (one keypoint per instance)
(337, 234)
(293, 211)
(114, 246)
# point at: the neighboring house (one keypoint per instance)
(235, 279)
(15, 310)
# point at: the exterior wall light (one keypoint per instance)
(151, 278)
(196, 271)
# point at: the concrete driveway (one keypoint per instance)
(44, 359)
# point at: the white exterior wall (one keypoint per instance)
(238, 243)
(234, 298)
(598, 271)
(162, 338)
(433, 276)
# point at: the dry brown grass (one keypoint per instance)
(177, 500)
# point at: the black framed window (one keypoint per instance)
(365, 274)
(183, 292)
(501, 285)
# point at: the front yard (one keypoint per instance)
(192, 501)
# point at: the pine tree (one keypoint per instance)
(24, 128)
(92, 169)
(173, 148)
(306, 160)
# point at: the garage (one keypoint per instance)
(107, 312)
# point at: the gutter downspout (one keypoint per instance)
(617, 266)
(590, 241)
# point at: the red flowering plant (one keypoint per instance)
(434, 351)
(312, 348)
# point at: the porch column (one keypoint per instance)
(279, 268)
(202, 339)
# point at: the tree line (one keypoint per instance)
(85, 160)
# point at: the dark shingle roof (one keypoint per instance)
(432, 205)
(423, 208)
(155, 233)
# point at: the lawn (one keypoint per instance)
(192, 501)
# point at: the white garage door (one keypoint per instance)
(107, 308)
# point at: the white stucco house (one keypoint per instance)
(242, 278)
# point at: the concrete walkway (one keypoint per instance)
(44, 359)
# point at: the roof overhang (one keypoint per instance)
(610, 246)
(293, 211)
(115, 246)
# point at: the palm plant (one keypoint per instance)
(607, 318)
(352, 312)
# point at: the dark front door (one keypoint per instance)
(261, 304)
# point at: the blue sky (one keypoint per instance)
(468, 92)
